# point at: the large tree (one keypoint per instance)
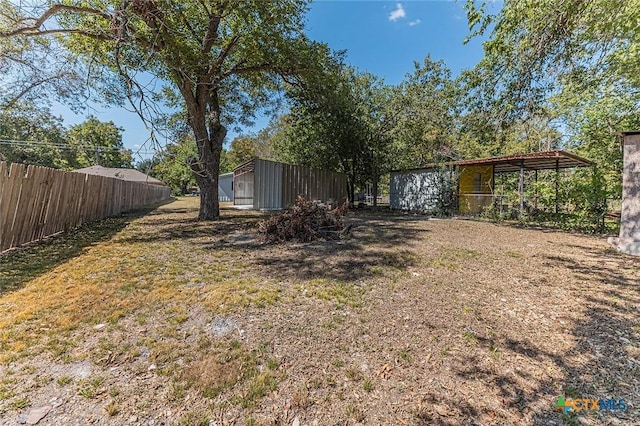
(32, 135)
(244, 148)
(220, 58)
(534, 47)
(99, 143)
(325, 127)
(427, 108)
(173, 164)
(568, 67)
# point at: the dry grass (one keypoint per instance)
(410, 321)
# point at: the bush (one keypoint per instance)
(304, 221)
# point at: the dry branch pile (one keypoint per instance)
(304, 221)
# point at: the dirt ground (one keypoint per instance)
(158, 319)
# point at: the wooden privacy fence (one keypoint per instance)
(44, 201)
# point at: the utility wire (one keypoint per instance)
(66, 146)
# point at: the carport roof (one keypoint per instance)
(530, 161)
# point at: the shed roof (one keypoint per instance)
(120, 173)
(245, 167)
(543, 160)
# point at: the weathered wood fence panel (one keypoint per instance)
(36, 202)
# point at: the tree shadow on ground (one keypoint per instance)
(375, 242)
(22, 264)
(174, 225)
(602, 362)
(373, 245)
(547, 228)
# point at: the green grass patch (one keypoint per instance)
(450, 258)
(87, 387)
(349, 294)
(20, 403)
(258, 387)
(470, 338)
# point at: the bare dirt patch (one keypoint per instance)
(167, 320)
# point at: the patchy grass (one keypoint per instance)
(220, 369)
(334, 290)
(452, 258)
(408, 321)
(258, 387)
(87, 388)
(37, 259)
(367, 385)
(154, 272)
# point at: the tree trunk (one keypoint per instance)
(350, 189)
(352, 176)
(207, 178)
(204, 119)
(209, 205)
(376, 178)
(203, 110)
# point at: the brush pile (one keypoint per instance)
(304, 221)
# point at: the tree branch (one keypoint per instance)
(211, 35)
(60, 31)
(11, 102)
(34, 29)
(223, 55)
(237, 70)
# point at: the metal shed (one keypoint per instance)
(225, 187)
(415, 190)
(269, 185)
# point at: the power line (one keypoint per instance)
(66, 146)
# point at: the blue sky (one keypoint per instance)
(381, 37)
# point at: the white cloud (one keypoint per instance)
(416, 22)
(398, 13)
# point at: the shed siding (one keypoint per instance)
(270, 185)
(415, 190)
(267, 185)
(225, 187)
(313, 184)
(475, 188)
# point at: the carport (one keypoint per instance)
(417, 189)
(477, 177)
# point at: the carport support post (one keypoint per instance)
(557, 179)
(535, 200)
(493, 186)
(521, 187)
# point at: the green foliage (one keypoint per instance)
(581, 200)
(99, 143)
(33, 136)
(536, 45)
(427, 107)
(147, 166)
(172, 166)
(571, 69)
(215, 61)
(242, 150)
(245, 148)
(339, 120)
